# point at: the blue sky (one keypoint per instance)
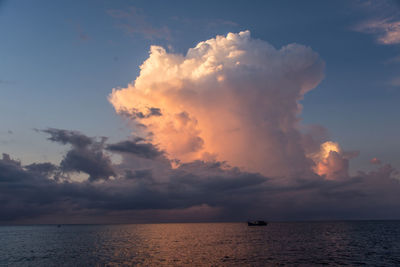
(61, 59)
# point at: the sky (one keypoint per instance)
(155, 111)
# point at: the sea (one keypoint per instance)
(352, 243)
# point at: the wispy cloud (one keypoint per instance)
(78, 29)
(387, 30)
(6, 82)
(395, 82)
(383, 21)
(375, 161)
(83, 36)
(208, 23)
(134, 21)
(393, 60)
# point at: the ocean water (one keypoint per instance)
(372, 243)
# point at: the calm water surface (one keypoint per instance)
(206, 244)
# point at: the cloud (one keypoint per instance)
(136, 147)
(83, 36)
(29, 191)
(393, 60)
(68, 137)
(375, 161)
(192, 191)
(231, 98)
(86, 154)
(331, 162)
(90, 161)
(23, 193)
(5, 82)
(133, 21)
(395, 82)
(45, 169)
(139, 174)
(383, 21)
(387, 30)
(222, 141)
(215, 190)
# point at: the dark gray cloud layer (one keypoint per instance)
(42, 192)
(86, 154)
(136, 147)
(68, 137)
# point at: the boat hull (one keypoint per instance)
(257, 223)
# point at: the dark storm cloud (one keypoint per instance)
(89, 160)
(27, 193)
(23, 193)
(139, 174)
(37, 192)
(136, 147)
(86, 154)
(68, 137)
(45, 168)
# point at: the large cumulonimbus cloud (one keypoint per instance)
(213, 130)
(231, 98)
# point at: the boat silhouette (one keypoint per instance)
(257, 223)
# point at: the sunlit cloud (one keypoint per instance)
(231, 98)
(375, 161)
(383, 20)
(330, 161)
(387, 31)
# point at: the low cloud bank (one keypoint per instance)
(152, 190)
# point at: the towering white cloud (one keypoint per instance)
(231, 98)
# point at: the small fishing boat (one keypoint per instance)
(257, 223)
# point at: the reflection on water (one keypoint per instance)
(205, 244)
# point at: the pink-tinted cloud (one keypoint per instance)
(375, 161)
(383, 20)
(331, 162)
(395, 82)
(231, 98)
(387, 31)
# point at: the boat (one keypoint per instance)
(257, 223)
